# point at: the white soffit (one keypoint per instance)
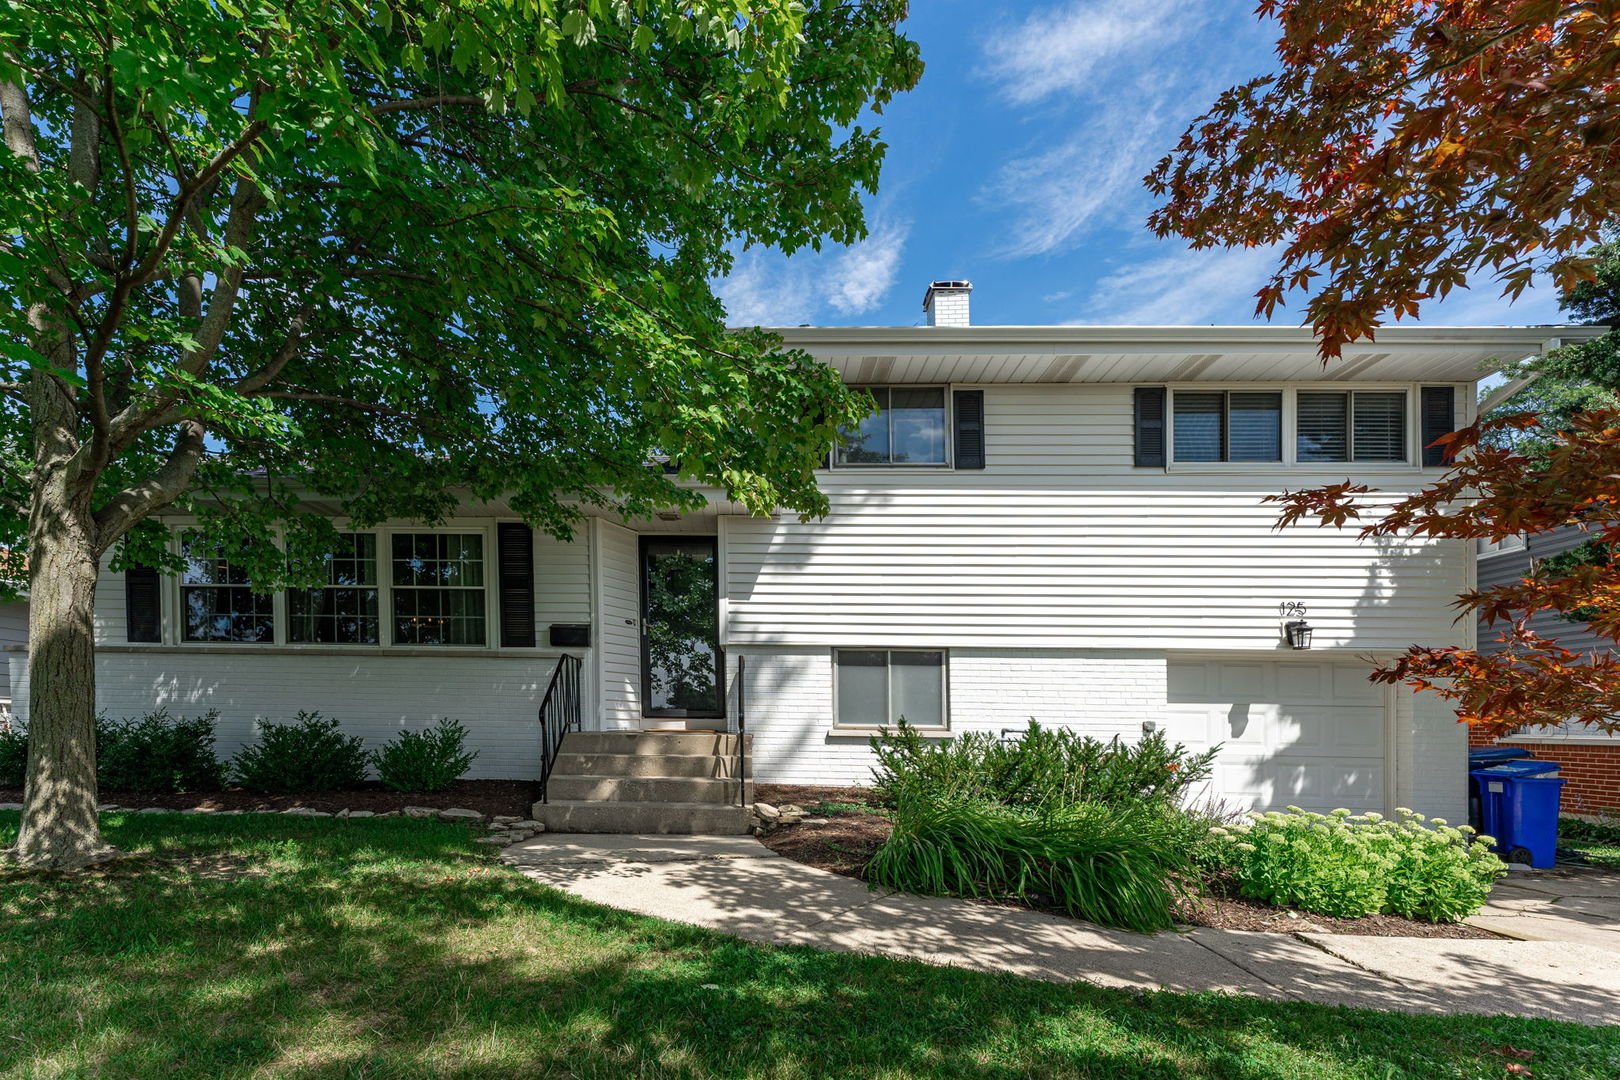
(1168, 354)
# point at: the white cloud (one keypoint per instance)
(1093, 178)
(863, 275)
(1066, 48)
(1215, 285)
(766, 288)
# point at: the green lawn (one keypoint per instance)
(266, 946)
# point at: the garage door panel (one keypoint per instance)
(1350, 686)
(1304, 683)
(1290, 740)
(1242, 682)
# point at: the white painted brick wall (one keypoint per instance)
(374, 696)
(789, 702)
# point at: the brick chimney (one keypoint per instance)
(947, 303)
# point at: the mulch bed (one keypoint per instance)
(488, 797)
(845, 843)
(1220, 907)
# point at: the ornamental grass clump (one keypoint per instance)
(1119, 866)
(1354, 865)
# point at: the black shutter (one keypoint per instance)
(969, 410)
(1150, 427)
(1439, 409)
(143, 604)
(515, 541)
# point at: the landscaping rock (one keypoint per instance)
(105, 808)
(358, 814)
(528, 823)
(506, 819)
(420, 811)
(304, 811)
(460, 813)
(766, 811)
(154, 810)
(10, 806)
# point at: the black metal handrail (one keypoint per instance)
(559, 713)
(742, 732)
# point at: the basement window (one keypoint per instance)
(877, 687)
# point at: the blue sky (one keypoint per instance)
(1017, 163)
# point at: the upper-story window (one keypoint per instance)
(907, 429)
(1228, 425)
(438, 589)
(217, 602)
(345, 610)
(1351, 425)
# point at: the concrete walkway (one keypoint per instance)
(737, 886)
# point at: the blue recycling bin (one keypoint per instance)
(1519, 807)
(1478, 758)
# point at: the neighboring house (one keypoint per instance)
(1590, 759)
(1054, 523)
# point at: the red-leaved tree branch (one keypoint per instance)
(1491, 493)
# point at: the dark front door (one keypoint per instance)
(681, 662)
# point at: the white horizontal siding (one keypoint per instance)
(374, 696)
(1061, 543)
(618, 585)
(13, 633)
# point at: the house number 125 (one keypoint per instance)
(1291, 609)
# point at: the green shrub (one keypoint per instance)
(428, 760)
(13, 753)
(308, 754)
(1042, 768)
(1118, 866)
(158, 753)
(1352, 865)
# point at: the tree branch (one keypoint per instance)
(414, 104)
(134, 503)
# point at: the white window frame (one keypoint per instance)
(909, 466)
(942, 728)
(1290, 426)
(173, 613)
(175, 601)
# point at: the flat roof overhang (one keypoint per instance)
(1168, 354)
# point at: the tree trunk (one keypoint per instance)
(60, 829)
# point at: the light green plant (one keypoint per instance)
(1043, 767)
(1123, 866)
(1353, 865)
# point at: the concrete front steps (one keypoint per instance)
(669, 782)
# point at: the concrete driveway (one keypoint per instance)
(737, 886)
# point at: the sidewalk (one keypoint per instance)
(737, 886)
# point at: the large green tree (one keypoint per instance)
(396, 253)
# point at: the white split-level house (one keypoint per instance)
(1058, 523)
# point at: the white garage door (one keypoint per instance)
(1305, 733)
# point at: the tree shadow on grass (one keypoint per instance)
(384, 949)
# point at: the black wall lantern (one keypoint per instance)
(1299, 634)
